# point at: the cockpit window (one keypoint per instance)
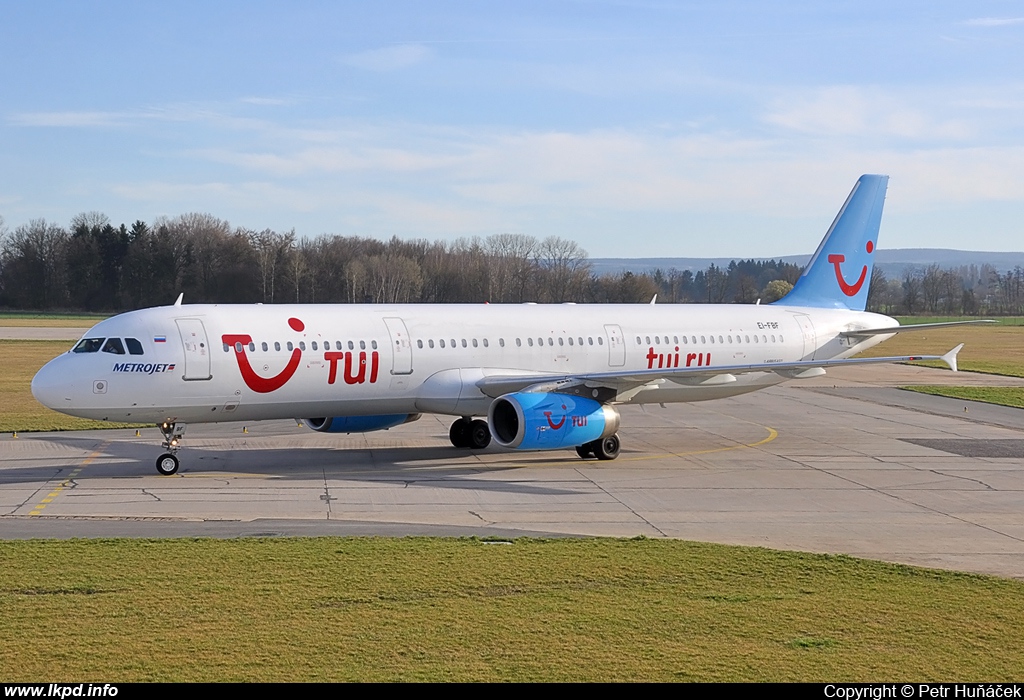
(89, 345)
(134, 346)
(114, 346)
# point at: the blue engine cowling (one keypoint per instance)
(358, 424)
(537, 421)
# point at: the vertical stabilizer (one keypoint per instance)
(839, 273)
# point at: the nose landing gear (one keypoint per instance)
(167, 463)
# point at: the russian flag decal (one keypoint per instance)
(160, 339)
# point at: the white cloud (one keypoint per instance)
(851, 110)
(71, 119)
(389, 58)
(994, 21)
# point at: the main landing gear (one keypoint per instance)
(604, 448)
(167, 463)
(467, 433)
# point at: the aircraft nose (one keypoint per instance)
(51, 387)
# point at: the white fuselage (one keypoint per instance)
(210, 363)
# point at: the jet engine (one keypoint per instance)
(358, 424)
(538, 421)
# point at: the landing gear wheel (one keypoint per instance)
(607, 447)
(459, 433)
(585, 451)
(479, 434)
(167, 464)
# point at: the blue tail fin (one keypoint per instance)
(839, 274)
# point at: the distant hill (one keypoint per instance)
(894, 263)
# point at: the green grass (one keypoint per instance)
(466, 610)
(19, 410)
(49, 320)
(1000, 395)
(991, 349)
(1000, 320)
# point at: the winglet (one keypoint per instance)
(177, 301)
(654, 299)
(950, 357)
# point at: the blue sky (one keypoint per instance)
(635, 128)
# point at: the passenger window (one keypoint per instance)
(430, 343)
(225, 347)
(551, 341)
(463, 342)
(89, 345)
(290, 346)
(134, 346)
(590, 340)
(419, 344)
(238, 348)
(530, 342)
(600, 340)
(373, 344)
(265, 347)
(277, 346)
(362, 345)
(781, 340)
(351, 345)
(561, 341)
(581, 340)
(252, 347)
(114, 346)
(712, 339)
(500, 340)
(314, 345)
(474, 343)
(442, 342)
(638, 341)
(302, 345)
(570, 340)
(453, 342)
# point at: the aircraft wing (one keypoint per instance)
(623, 383)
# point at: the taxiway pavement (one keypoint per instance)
(844, 464)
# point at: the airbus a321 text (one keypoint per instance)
(547, 377)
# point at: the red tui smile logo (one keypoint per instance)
(264, 385)
(850, 289)
(554, 425)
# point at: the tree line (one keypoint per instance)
(93, 265)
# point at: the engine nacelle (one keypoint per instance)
(358, 424)
(537, 421)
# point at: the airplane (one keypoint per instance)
(546, 376)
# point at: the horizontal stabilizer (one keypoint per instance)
(904, 329)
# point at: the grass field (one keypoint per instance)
(19, 410)
(992, 349)
(28, 320)
(467, 610)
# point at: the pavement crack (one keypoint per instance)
(475, 514)
(988, 487)
(621, 503)
(146, 492)
(327, 497)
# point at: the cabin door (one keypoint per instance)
(616, 345)
(197, 349)
(401, 346)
